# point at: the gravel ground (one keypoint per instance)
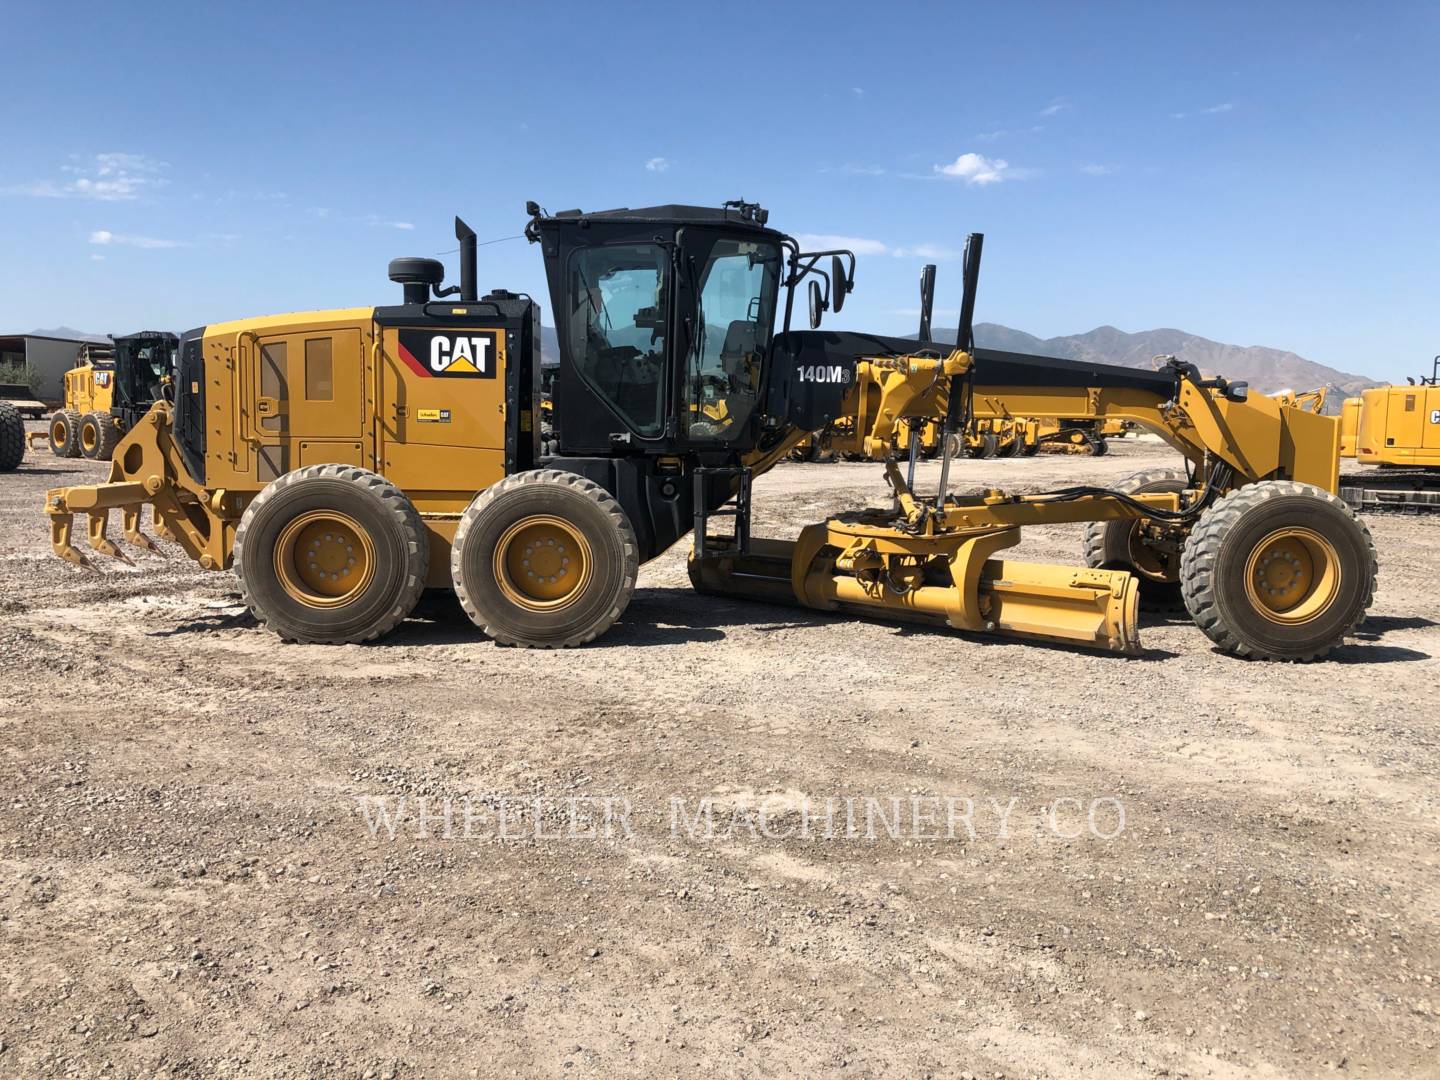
(190, 883)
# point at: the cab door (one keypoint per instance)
(442, 408)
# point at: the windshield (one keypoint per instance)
(737, 289)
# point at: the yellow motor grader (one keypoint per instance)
(342, 461)
(107, 392)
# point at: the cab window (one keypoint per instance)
(737, 288)
(616, 328)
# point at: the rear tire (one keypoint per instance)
(1007, 449)
(1098, 446)
(1029, 449)
(521, 539)
(12, 437)
(65, 433)
(1279, 571)
(331, 554)
(98, 435)
(1112, 545)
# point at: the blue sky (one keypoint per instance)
(1261, 174)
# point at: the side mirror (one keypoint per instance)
(817, 304)
(839, 283)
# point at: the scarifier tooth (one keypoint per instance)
(61, 528)
(131, 517)
(98, 520)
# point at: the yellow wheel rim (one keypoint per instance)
(1292, 575)
(324, 559)
(542, 563)
(57, 431)
(89, 436)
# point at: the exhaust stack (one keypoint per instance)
(469, 291)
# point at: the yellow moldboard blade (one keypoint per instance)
(1069, 605)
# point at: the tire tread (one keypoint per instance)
(12, 437)
(1203, 549)
(401, 510)
(582, 486)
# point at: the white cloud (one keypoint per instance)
(97, 257)
(932, 252)
(975, 169)
(658, 164)
(1213, 110)
(862, 246)
(1096, 170)
(864, 170)
(1059, 105)
(830, 241)
(101, 178)
(376, 221)
(858, 91)
(106, 238)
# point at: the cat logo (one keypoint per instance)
(456, 354)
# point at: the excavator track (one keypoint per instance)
(1414, 492)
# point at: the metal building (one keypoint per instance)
(47, 357)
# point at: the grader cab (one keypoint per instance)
(343, 461)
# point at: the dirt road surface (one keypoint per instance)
(196, 877)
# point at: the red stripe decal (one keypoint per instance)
(414, 364)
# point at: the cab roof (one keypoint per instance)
(670, 214)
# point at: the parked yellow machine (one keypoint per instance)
(1396, 430)
(341, 461)
(89, 388)
(107, 392)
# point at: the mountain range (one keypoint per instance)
(68, 334)
(1266, 370)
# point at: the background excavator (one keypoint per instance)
(1396, 431)
(342, 461)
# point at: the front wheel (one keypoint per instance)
(544, 559)
(1278, 571)
(65, 433)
